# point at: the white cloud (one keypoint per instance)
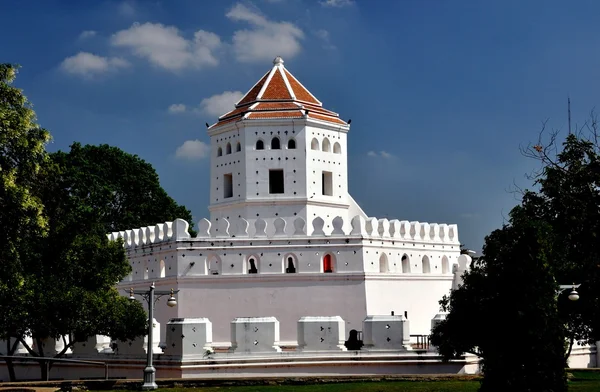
(326, 38)
(336, 3)
(126, 8)
(87, 64)
(87, 34)
(382, 154)
(177, 108)
(220, 104)
(164, 46)
(266, 39)
(193, 150)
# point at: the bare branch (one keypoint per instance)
(29, 349)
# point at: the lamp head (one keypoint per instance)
(573, 295)
(171, 302)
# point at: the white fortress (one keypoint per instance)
(285, 239)
(289, 269)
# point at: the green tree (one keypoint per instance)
(506, 314)
(87, 193)
(22, 153)
(58, 266)
(508, 303)
(124, 188)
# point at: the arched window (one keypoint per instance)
(146, 269)
(290, 266)
(383, 263)
(445, 265)
(291, 144)
(260, 145)
(161, 268)
(405, 264)
(426, 265)
(213, 265)
(326, 145)
(328, 263)
(275, 144)
(238, 147)
(252, 266)
(228, 149)
(337, 149)
(219, 151)
(314, 144)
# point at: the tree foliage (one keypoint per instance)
(22, 153)
(509, 310)
(59, 269)
(122, 187)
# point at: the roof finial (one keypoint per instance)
(278, 61)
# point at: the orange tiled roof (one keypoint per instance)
(277, 114)
(278, 94)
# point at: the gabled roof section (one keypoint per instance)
(278, 94)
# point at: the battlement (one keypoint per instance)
(370, 228)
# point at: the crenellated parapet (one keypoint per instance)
(294, 227)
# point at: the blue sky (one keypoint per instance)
(441, 93)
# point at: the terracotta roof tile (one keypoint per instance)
(253, 93)
(300, 92)
(235, 111)
(275, 106)
(327, 118)
(276, 89)
(318, 109)
(278, 114)
(227, 121)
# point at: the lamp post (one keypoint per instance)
(151, 296)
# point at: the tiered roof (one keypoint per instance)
(278, 94)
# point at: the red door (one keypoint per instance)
(327, 264)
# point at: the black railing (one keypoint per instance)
(48, 360)
(422, 342)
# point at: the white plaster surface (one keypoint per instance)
(386, 333)
(255, 335)
(317, 334)
(190, 337)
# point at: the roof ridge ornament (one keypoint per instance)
(278, 61)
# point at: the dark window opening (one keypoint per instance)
(327, 264)
(252, 269)
(275, 144)
(228, 149)
(238, 147)
(228, 185)
(276, 181)
(219, 151)
(291, 144)
(260, 145)
(327, 183)
(291, 269)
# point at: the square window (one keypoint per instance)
(327, 183)
(276, 181)
(228, 185)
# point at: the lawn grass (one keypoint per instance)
(582, 382)
(379, 386)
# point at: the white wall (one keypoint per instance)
(418, 294)
(288, 298)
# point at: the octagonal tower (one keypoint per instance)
(279, 153)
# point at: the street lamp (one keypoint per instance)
(151, 296)
(573, 295)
